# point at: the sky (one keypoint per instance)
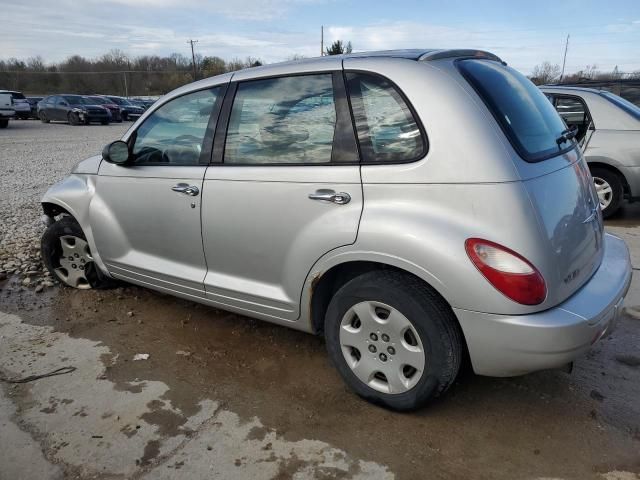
(605, 33)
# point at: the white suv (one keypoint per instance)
(6, 109)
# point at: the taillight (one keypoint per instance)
(511, 274)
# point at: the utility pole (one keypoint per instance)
(193, 58)
(321, 40)
(126, 89)
(564, 61)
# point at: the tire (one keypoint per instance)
(73, 118)
(432, 329)
(43, 118)
(4, 123)
(81, 272)
(610, 190)
(104, 122)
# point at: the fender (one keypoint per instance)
(74, 194)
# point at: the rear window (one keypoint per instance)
(626, 105)
(18, 96)
(525, 115)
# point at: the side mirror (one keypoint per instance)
(116, 152)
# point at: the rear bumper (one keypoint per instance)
(503, 345)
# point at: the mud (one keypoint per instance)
(548, 424)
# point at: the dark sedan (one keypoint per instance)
(116, 111)
(129, 110)
(74, 109)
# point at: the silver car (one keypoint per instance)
(412, 206)
(607, 128)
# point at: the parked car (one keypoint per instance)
(6, 109)
(129, 110)
(20, 104)
(411, 226)
(607, 127)
(116, 112)
(74, 109)
(142, 103)
(33, 104)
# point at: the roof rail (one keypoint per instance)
(469, 53)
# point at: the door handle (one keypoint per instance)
(187, 189)
(341, 198)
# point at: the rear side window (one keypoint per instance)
(525, 115)
(288, 120)
(387, 129)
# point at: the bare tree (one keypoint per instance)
(546, 72)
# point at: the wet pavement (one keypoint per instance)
(263, 401)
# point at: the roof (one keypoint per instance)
(417, 54)
(570, 88)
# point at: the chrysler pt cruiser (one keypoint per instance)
(414, 207)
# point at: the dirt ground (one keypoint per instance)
(225, 396)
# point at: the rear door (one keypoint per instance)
(284, 189)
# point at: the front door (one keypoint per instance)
(145, 215)
(285, 189)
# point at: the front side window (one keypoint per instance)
(386, 128)
(288, 120)
(174, 134)
(525, 115)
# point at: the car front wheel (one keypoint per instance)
(66, 254)
(609, 189)
(393, 339)
(74, 119)
(4, 123)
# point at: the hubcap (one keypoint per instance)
(604, 191)
(73, 259)
(382, 347)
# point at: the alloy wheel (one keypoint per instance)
(73, 260)
(382, 347)
(604, 191)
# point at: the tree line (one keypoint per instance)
(547, 72)
(113, 73)
(116, 73)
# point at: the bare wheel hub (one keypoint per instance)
(382, 347)
(73, 259)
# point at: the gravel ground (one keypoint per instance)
(33, 156)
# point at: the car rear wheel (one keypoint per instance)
(44, 118)
(4, 123)
(66, 254)
(609, 189)
(393, 339)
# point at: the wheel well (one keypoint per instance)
(325, 287)
(52, 210)
(606, 166)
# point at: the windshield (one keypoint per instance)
(527, 118)
(75, 100)
(120, 101)
(98, 100)
(626, 105)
